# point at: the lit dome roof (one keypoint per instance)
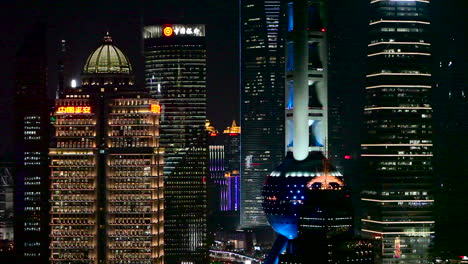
(107, 58)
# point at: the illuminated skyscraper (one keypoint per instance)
(232, 156)
(397, 148)
(175, 73)
(106, 168)
(224, 180)
(31, 145)
(263, 31)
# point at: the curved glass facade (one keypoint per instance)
(175, 73)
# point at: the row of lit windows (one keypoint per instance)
(392, 29)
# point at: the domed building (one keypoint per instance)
(107, 65)
(106, 168)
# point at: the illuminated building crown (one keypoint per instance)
(107, 58)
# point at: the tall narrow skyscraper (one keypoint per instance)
(31, 145)
(175, 73)
(397, 148)
(106, 168)
(263, 30)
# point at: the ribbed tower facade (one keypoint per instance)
(262, 101)
(175, 73)
(106, 188)
(397, 148)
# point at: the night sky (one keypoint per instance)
(84, 23)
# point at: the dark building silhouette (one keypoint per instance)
(63, 64)
(451, 149)
(263, 30)
(397, 148)
(32, 109)
(175, 73)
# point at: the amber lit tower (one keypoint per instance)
(397, 147)
(106, 168)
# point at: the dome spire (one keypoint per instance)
(107, 58)
(107, 37)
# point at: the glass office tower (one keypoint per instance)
(175, 73)
(262, 101)
(106, 188)
(397, 148)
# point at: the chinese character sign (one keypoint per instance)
(74, 110)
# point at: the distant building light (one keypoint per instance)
(347, 157)
(73, 83)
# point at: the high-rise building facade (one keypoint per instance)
(224, 180)
(232, 157)
(398, 199)
(106, 188)
(6, 207)
(31, 108)
(175, 73)
(263, 30)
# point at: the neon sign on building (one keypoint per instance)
(74, 110)
(155, 108)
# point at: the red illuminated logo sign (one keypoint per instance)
(168, 31)
(155, 108)
(74, 110)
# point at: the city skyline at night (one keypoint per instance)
(352, 149)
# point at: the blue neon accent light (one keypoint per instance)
(290, 17)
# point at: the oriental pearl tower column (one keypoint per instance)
(305, 198)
